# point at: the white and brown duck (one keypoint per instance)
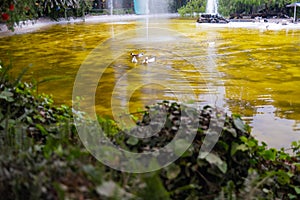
(147, 60)
(134, 57)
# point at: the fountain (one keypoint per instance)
(142, 7)
(211, 15)
(111, 6)
(212, 7)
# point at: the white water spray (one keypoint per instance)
(152, 6)
(111, 5)
(212, 6)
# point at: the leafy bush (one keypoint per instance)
(13, 12)
(41, 154)
(192, 176)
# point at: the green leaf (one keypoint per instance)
(6, 95)
(294, 144)
(269, 154)
(237, 147)
(29, 119)
(215, 160)
(173, 171)
(283, 155)
(297, 189)
(239, 124)
(283, 177)
(153, 164)
(111, 190)
(40, 118)
(59, 150)
(154, 188)
(265, 190)
(134, 118)
(42, 129)
(59, 190)
(191, 187)
(232, 131)
(251, 143)
(181, 146)
(244, 139)
(242, 147)
(224, 145)
(187, 153)
(291, 196)
(93, 174)
(132, 141)
(297, 165)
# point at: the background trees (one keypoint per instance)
(227, 7)
(14, 11)
(64, 8)
(192, 6)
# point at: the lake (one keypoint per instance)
(249, 71)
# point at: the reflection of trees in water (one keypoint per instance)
(296, 126)
(287, 109)
(249, 103)
(261, 76)
(242, 107)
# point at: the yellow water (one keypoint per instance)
(246, 71)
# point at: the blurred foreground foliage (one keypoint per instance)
(42, 156)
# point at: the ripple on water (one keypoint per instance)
(250, 72)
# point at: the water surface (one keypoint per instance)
(248, 71)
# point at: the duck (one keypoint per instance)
(137, 55)
(149, 60)
(134, 59)
(211, 44)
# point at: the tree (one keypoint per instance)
(193, 6)
(176, 4)
(13, 12)
(227, 7)
(65, 8)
